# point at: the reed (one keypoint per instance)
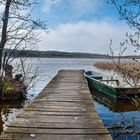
(129, 71)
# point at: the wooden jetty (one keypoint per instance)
(62, 111)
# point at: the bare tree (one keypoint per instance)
(129, 10)
(19, 28)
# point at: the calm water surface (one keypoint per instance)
(110, 111)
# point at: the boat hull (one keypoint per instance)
(100, 87)
(117, 93)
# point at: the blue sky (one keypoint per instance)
(71, 11)
(81, 26)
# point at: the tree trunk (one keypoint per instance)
(4, 29)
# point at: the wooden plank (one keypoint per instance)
(56, 106)
(66, 104)
(56, 131)
(57, 117)
(63, 108)
(52, 125)
(58, 113)
(55, 137)
(59, 109)
(68, 97)
(65, 100)
(62, 101)
(46, 119)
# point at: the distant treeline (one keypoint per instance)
(57, 54)
(52, 54)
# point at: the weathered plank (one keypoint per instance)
(29, 130)
(62, 111)
(60, 125)
(55, 137)
(47, 113)
(46, 119)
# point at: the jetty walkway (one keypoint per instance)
(62, 111)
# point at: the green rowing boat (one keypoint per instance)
(98, 84)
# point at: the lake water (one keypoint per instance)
(111, 112)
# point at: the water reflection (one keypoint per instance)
(8, 112)
(115, 105)
(121, 117)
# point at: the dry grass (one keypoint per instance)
(130, 71)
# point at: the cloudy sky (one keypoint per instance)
(81, 26)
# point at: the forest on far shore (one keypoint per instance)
(58, 54)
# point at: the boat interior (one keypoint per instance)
(101, 78)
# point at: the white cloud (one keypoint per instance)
(83, 6)
(93, 37)
(78, 7)
(49, 4)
